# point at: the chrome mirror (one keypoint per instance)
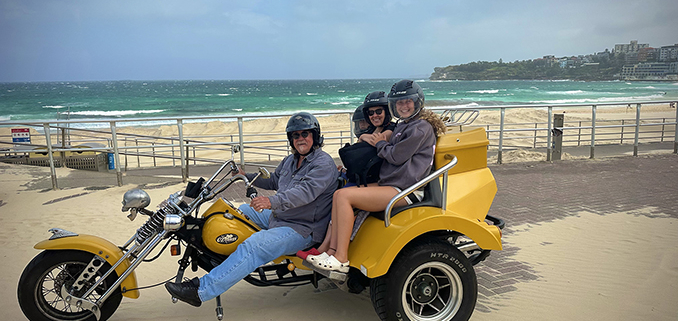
(264, 172)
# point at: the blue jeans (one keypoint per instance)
(260, 248)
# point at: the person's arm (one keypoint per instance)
(402, 151)
(305, 191)
(268, 183)
(388, 134)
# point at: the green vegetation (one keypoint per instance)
(597, 68)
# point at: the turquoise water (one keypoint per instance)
(133, 99)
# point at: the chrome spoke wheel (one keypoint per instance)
(432, 291)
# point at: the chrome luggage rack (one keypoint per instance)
(457, 117)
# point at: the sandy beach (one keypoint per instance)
(587, 266)
(265, 139)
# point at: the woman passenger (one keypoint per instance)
(408, 158)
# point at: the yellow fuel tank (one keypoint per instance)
(225, 228)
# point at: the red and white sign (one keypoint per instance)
(21, 135)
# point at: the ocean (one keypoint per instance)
(135, 99)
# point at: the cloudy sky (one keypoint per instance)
(71, 40)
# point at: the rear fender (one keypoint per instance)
(98, 246)
(375, 246)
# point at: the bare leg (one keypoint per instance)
(325, 245)
(371, 199)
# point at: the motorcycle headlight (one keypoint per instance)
(173, 222)
(135, 198)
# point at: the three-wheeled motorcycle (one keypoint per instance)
(417, 260)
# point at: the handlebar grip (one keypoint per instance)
(252, 193)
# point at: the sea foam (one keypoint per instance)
(595, 100)
(488, 91)
(116, 113)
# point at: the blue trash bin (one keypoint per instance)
(111, 161)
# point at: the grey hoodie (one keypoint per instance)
(408, 155)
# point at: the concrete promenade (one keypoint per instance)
(534, 193)
(529, 194)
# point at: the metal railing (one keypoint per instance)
(158, 150)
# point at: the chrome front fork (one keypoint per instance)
(144, 250)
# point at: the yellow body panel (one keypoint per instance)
(470, 194)
(101, 247)
(376, 246)
(470, 147)
(222, 235)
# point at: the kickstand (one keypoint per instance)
(220, 310)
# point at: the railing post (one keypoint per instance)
(549, 134)
(501, 135)
(240, 138)
(63, 145)
(621, 142)
(153, 149)
(593, 130)
(663, 128)
(534, 143)
(184, 164)
(48, 141)
(675, 135)
(136, 142)
(579, 135)
(126, 154)
(174, 161)
(635, 138)
(116, 154)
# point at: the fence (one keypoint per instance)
(169, 145)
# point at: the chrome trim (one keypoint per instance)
(58, 233)
(173, 222)
(419, 184)
(131, 268)
(470, 246)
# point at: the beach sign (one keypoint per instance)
(21, 135)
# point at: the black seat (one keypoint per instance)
(433, 197)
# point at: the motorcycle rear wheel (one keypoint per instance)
(43, 278)
(430, 280)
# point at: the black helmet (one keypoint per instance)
(360, 124)
(375, 99)
(406, 89)
(304, 121)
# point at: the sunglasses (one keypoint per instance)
(372, 112)
(303, 134)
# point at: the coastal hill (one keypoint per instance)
(601, 68)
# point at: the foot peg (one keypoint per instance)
(220, 310)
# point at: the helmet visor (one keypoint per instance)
(360, 127)
(409, 105)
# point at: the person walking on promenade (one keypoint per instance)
(291, 220)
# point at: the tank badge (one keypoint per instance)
(227, 238)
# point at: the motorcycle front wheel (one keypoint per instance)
(40, 285)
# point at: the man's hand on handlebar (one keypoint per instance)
(260, 203)
(239, 171)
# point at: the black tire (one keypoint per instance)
(43, 278)
(430, 280)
